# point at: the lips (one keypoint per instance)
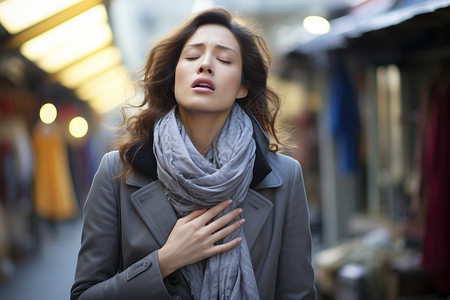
(203, 85)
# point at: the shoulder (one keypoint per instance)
(112, 156)
(110, 164)
(285, 166)
(285, 172)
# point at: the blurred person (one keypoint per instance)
(165, 215)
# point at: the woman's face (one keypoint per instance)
(208, 72)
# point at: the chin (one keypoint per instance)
(203, 106)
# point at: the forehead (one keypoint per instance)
(212, 34)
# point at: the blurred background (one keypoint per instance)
(366, 91)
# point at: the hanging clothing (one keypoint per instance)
(13, 132)
(344, 118)
(54, 192)
(16, 180)
(419, 148)
(436, 246)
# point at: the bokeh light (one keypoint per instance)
(48, 113)
(78, 127)
(316, 25)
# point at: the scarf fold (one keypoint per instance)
(193, 181)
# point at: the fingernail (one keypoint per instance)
(240, 210)
(242, 221)
(230, 201)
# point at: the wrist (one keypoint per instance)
(164, 263)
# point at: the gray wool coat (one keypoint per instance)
(127, 222)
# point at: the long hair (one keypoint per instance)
(159, 78)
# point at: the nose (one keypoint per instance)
(205, 67)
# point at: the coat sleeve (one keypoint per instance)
(97, 274)
(295, 278)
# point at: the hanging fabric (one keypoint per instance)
(344, 119)
(54, 192)
(436, 246)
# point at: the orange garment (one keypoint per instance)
(53, 187)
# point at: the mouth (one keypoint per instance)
(203, 85)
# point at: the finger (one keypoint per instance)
(213, 211)
(224, 232)
(193, 215)
(224, 220)
(225, 247)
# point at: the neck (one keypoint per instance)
(202, 128)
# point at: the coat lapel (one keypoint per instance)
(158, 214)
(256, 209)
(155, 210)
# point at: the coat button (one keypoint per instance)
(173, 279)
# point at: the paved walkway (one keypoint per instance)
(48, 275)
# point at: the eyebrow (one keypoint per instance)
(219, 46)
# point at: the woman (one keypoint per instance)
(194, 205)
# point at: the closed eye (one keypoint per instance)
(224, 61)
(191, 58)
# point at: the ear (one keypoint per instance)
(243, 91)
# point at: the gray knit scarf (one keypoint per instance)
(193, 182)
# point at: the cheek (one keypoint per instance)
(235, 80)
(180, 77)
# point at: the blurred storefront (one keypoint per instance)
(378, 86)
(60, 76)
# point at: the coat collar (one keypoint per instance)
(143, 160)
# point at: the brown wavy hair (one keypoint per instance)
(158, 79)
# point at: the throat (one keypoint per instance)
(201, 139)
(202, 129)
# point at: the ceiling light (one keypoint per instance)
(108, 102)
(89, 89)
(17, 15)
(76, 49)
(76, 74)
(316, 25)
(109, 98)
(116, 84)
(72, 39)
